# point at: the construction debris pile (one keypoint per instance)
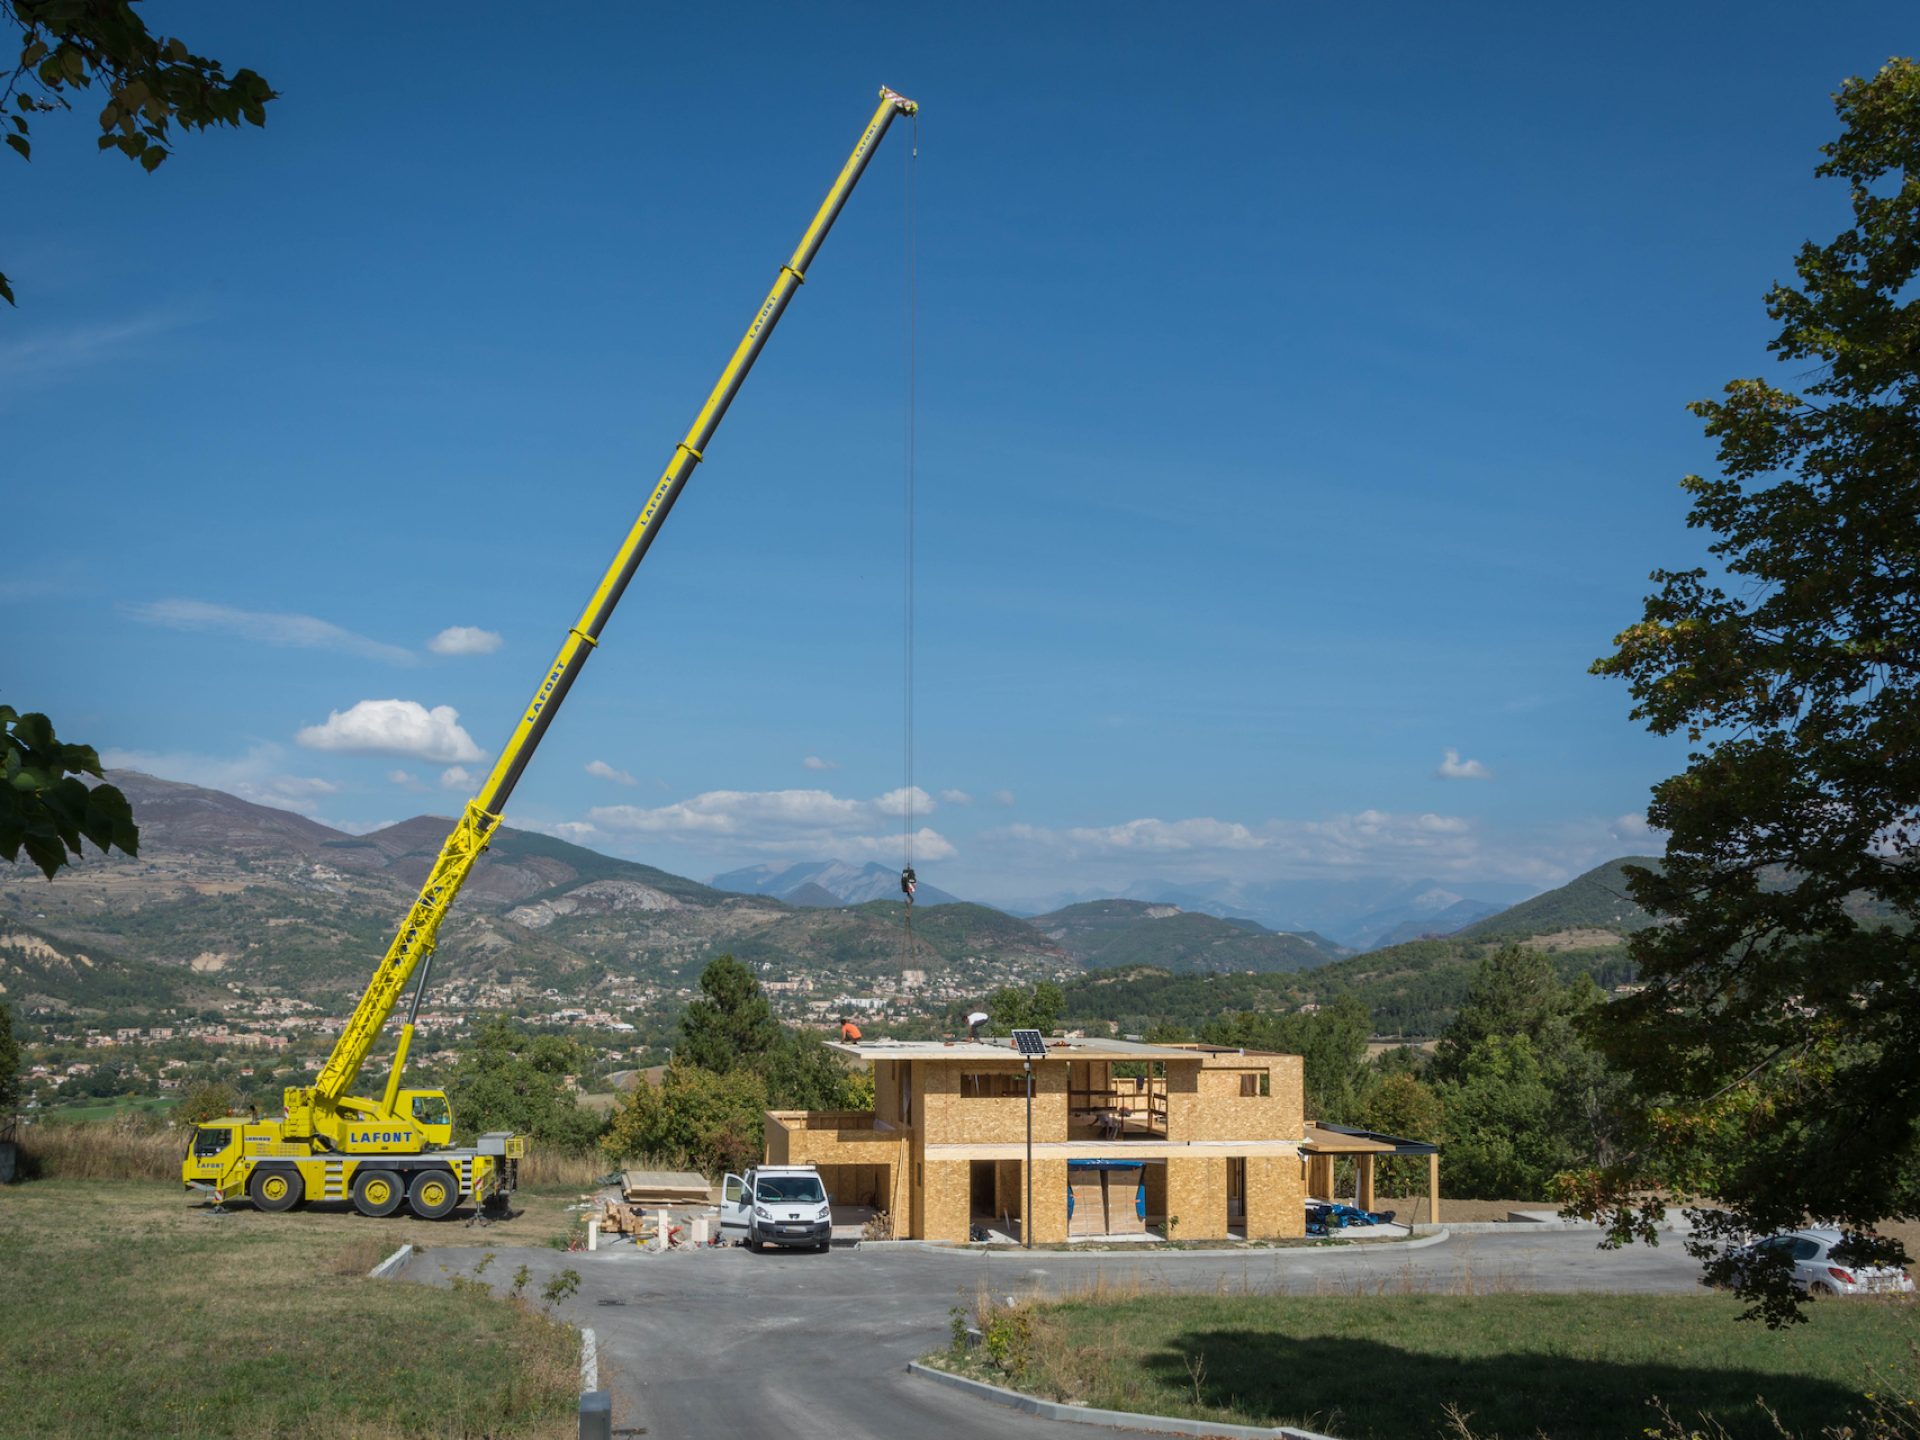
(657, 1210)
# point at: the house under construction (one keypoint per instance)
(1192, 1142)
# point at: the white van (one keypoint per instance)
(776, 1205)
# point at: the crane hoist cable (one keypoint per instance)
(910, 337)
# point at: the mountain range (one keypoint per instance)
(1358, 914)
(227, 893)
(826, 882)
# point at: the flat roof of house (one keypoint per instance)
(1057, 1049)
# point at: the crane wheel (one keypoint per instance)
(377, 1193)
(433, 1194)
(275, 1190)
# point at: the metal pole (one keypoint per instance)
(1026, 1223)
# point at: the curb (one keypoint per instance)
(1541, 1227)
(1121, 1419)
(390, 1266)
(1347, 1247)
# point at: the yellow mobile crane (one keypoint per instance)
(397, 1149)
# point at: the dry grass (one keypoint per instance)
(359, 1255)
(237, 1323)
(126, 1148)
(546, 1168)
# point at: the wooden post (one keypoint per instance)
(1433, 1189)
(1366, 1182)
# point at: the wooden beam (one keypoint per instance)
(1366, 1181)
(1433, 1189)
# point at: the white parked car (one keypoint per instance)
(1814, 1271)
(776, 1205)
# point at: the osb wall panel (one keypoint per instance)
(1049, 1201)
(886, 1090)
(1276, 1197)
(1206, 1103)
(955, 1119)
(773, 1144)
(834, 1147)
(1009, 1190)
(947, 1200)
(1197, 1193)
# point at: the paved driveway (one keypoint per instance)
(724, 1342)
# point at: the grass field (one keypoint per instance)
(109, 1109)
(131, 1311)
(1566, 1367)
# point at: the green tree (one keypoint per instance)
(1331, 1043)
(710, 1120)
(45, 808)
(1037, 1008)
(9, 1065)
(1500, 1139)
(152, 82)
(510, 1080)
(206, 1102)
(1773, 1041)
(1555, 1099)
(1403, 1105)
(802, 1074)
(729, 1025)
(1514, 992)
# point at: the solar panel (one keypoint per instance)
(1030, 1042)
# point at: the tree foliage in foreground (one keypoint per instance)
(152, 82)
(1775, 1038)
(45, 808)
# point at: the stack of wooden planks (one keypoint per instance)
(654, 1188)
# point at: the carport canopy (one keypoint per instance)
(1325, 1143)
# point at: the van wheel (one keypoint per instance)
(275, 1190)
(377, 1193)
(433, 1194)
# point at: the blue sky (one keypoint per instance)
(1300, 405)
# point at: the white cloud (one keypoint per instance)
(1452, 767)
(1160, 836)
(268, 627)
(814, 762)
(395, 727)
(601, 770)
(255, 776)
(897, 802)
(404, 779)
(814, 824)
(1003, 798)
(455, 776)
(464, 640)
(956, 797)
(1371, 841)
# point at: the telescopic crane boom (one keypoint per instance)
(323, 1115)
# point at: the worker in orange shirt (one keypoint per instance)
(849, 1031)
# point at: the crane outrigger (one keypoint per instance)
(397, 1149)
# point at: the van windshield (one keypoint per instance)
(789, 1190)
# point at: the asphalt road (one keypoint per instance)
(721, 1342)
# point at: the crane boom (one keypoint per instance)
(311, 1110)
